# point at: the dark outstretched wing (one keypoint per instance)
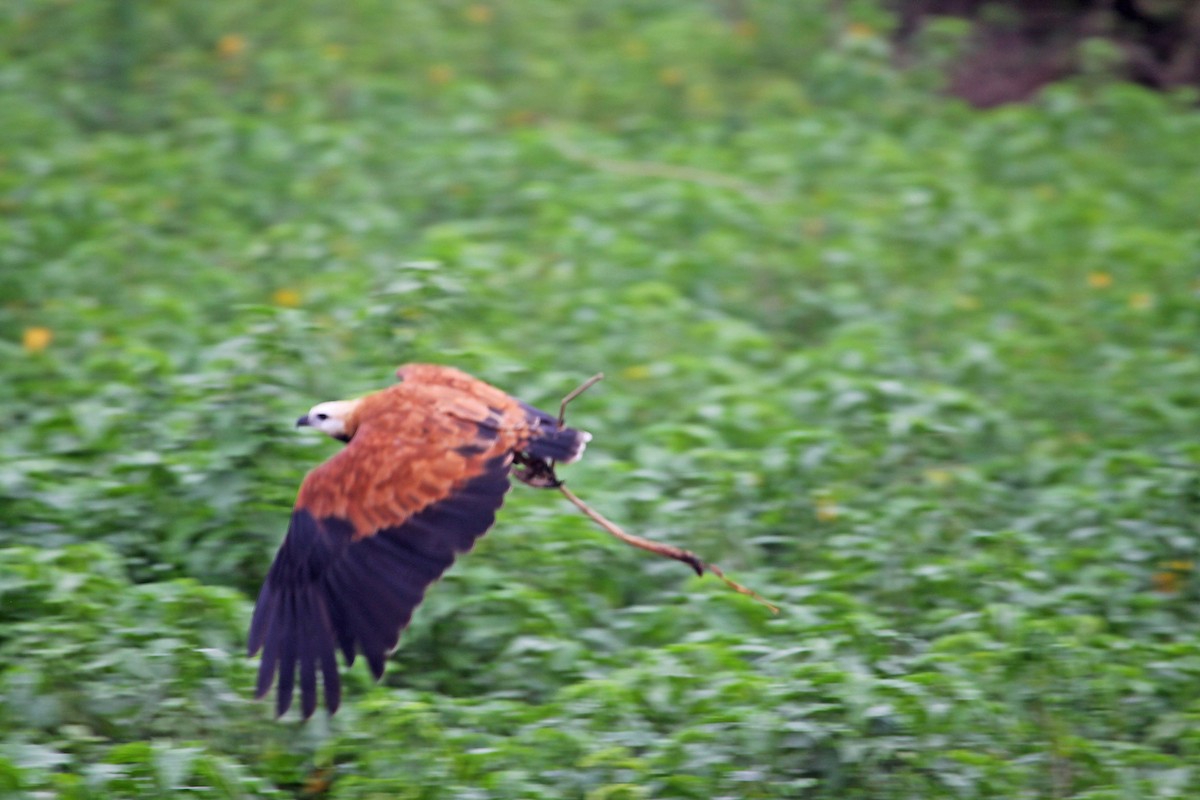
(372, 528)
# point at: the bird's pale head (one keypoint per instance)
(335, 418)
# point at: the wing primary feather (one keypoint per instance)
(267, 666)
(325, 651)
(366, 623)
(331, 679)
(340, 621)
(382, 604)
(264, 610)
(312, 642)
(287, 652)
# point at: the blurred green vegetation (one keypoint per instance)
(927, 376)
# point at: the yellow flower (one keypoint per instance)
(479, 14)
(231, 45)
(440, 74)
(1099, 280)
(36, 339)
(1141, 301)
(745, 29)
(701, 98)
(318, 781)
(670, 76)
(333, 51)
(966, 302)
(1166, 582)
(937, 476)
(637, 372)
(859, 30)
(1169, 578)
(635, 49)
(520, 117)
(827, 509)
(288, 298)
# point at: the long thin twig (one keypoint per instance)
(658, 548)
(578, 390)
(649, 169)
(670, 551)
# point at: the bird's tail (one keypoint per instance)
(563, 445)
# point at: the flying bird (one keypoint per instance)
(426, 465)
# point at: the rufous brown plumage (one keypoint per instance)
(426, 466)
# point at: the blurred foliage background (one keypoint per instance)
(924, 374)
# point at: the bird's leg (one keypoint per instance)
(535, 472)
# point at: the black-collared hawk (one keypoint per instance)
(426, 466)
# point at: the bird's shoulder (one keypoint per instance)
(414, 444)
(426, 413)
(455, 380)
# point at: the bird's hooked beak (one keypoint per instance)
(303, 422)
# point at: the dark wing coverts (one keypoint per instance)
(373, 526)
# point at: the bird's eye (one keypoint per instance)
(322, 417)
